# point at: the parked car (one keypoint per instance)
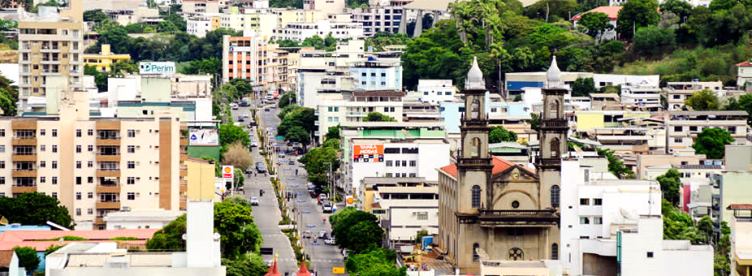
(323, 234)
(291, 162)
(327, 207)
(260, 168)
(234, 106)
(282, 156)
(322, 198)
(241, 119)
(254, 201)
(330, 241)
(307, 234)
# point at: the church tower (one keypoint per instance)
(552, 135)
(474, 161)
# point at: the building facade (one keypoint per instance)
(104, 60)
(682, 127)
(380, 19)
(246, 57)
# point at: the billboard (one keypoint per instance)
(368, 153)
(156, 68)
(203, 137)
(228, 172)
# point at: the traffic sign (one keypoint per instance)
(228, 172)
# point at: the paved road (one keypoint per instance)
(307, 212)
(267, 214)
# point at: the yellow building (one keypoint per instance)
(104, 60)
(200, 179)
(589, 120)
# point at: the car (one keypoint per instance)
(260, 168)
(241, 119)
(323, 234)
(330, 241)
(307, 234)
(234, 106)
(322, 198)
(266, 109)
(254, 201)
(327, 207)
(282, 156)
(291, 162)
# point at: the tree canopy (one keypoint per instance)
(297, 123)
(594, 23)
(230, 133)
(636, 14)
(287, 99)
(245, 264)
(27, 258)
(46, 208)
(378, 117)
(703, 100)
(356, 230)
(670, 185)
(377, 261)
(500, 134)
(712, 142)
(582, 87)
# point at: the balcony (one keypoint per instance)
(24, 141)
(108, 189)
(108, 205)
(24, 173)
(107, 173)
(527, 218)
(554, 124)
(107, 158)
(15, 157)
(99, 221)
(107, 141)
(23, 189)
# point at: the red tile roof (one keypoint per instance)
(611, 11)
(499, 165)
(42, 239)
(745, 63)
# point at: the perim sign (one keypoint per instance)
(156, 68)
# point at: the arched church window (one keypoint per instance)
(475, 152)
(554, 251)
(475, 196)
(476, 256)
(553, 109)
(475, 109)
(554, 147)
(555, 196)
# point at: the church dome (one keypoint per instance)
(553, 75)
(474, 78)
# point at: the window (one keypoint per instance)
(90, 148)
(54, 180)
(54, 148)
(78, 195)
(89, 195)
(89, 211)
(476, 256)
(90, 132)
(131, 149)
(131, 165)
(554, 251)
(693, 128)
(78, 133)
(42, 179)
(597, 201)
(78, 180)
(78, 164)
(584, 201)
(650, 254)
(2, 132)
(90, 164)
(678, 139)
(90, 179)
(2, 148)
(404, 163)
(42, 148)
(598, 220)
(54, 164)
(2, 180)
(388, 163)
(515, 204)
(42, 132)
(678, 128)
(131, 133)
(584, 220)
(78, 211)
(78, 148)
(131, 196)
(42, 164)
(413, 163)
(422, 215)
(555, 196)
(475, 200)
(54, 132)
(131, 180)
(2, 164)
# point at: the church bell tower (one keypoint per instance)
(552, 134)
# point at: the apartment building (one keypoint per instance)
(604, 101)
(104, 60)
(678, 92)
(355, 106)
(50, 43)
(435, 91)
(404, 205)
(642, 97)
(376, 74)
(261, 22)
(611, 226)
(683, 126)
(246, 57)
(326, 6)
(594, 119)
(741, 239)
(379, 19)
(202, 6)
(133, 15)
(94, 166)
(631, 141)
(299, 31)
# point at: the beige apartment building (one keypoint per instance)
(678, 92)
(50, 43)
(246, 57)
(95, 166)
(682, 127)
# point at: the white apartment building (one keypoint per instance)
(642, 97)
(436, 91)
(299, 31)
(327, 6)
(683, 126)
(355, 106)
(374, 157)
(94, 166)
(405, 205)
(380, 19)
(200, 25)
(615, 226)
(603, 80)
(678, 92)
(376, 74)
(202, 6)
(50, 43)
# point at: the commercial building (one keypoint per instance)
(744, 73)
(355, 107)
(376, 74)
(683, 126)
(642, 97)
(436, 91)
(50, 43)
(94, 166)
(326, 6)
(202, 6)
(595, 119)
(404, 205)
(678, 92)
(104, 60)
(378, 19)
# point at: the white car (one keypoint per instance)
(254, 201)
(234, 106)
(329, 241)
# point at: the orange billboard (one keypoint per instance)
(368, 153)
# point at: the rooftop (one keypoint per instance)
(611, 11)
(500, 165)
(41, 239)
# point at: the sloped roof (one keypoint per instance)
(745, 63)
(41, 239)
(611, 11)
(500, 165)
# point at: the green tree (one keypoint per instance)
(636, 14)
(46, 208)
(297, 116)
(705, 225)
(317, 161)
(170, 237)
(615, 164)
(334, 133)
(356, 230)
(680, 8)
(500, 134)
(287, 99)
(100, 78)
(743, 103)
(229, 134)
(652, 41)
(284, 43)
(245, 264)
(237, 230)
(551, 10)
(210, 66)
(670, 185)
(678, 225)
(356, 3)
(703, 100)
(377, 261)
(27, 258)
(381, 40)
(594, 23)
(298, 134)
(378, 117)
(296, 4)
(95, 16)
(582, 87)
(712, 142)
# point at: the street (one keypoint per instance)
(306, 211)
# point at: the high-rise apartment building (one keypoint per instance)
(50, 43)
(246, 57)
(95, 166)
